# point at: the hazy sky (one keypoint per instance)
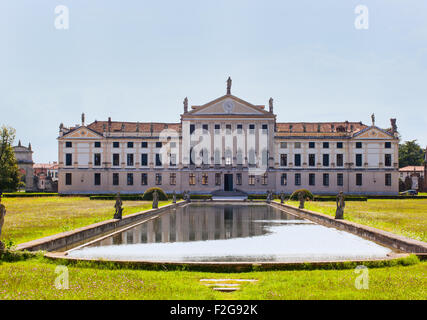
(137, 60)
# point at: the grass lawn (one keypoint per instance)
(36, 217)
(35, 279)
(405, 217)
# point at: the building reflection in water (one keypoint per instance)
(197, 222)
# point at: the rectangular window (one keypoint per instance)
(297, 160)
(172, 158)
(218, 179)
(172, 179)
(115, 179)
(116, 159)
(297, 145)
(217, 129)
(359, 178)
(283, 160)
(312, 179)
(264, 179)
(116, 144)
(284, 179)
(325, 145)
(68, 179)
(130, 145)
(158, 144)
(326, 160)
(97, 144)
(192, 128)
(192, 179)
(326, 179)
(340, 179)
(265, 128)
(144, 159)
(130, 179)
(204, 178)
(251, 180)
(130, 159)
(239, 129)
(251, 129)
(339, 145)
(359, 160)
(97, 159)
(144, 145)
(158, 179)
(311, 145)
(238, 179)
(68, 144)
(387, 160)
(205, 129)
(340, 160)
(387, 145)
(358, 145)
(297, 179)
(388, 179)
(144, 179)
(158, 160)
(97, 179)
(311, 159)
(228, 129)
(69, 159)
(283, 145)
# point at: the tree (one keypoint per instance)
(9, 171)
(410, 154)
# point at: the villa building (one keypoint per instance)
(24, 157)
(228, 144)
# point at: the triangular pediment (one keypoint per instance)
(228, 105)
(82, 133)
(373, 133)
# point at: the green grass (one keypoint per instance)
(405, 217)
(32, 218)
(35, 279)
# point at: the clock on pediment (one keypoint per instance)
(228, 106)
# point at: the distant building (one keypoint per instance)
(425, 172)
(415, 173)
(24, 156)
(46, 176)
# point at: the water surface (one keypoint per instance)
(231, 232)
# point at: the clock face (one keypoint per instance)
(228, 106)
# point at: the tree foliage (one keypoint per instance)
(9, 171)
(410, 154)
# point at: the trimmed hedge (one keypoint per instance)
(346, 198)
(29, 194)
(128, 197)
(148, 194)
(308, 194)
(201, 196)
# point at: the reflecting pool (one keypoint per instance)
(230, 233)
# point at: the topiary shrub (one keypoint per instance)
(308, 194)
(148, 194)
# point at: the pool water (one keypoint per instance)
(230, 233)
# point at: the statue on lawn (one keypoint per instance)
(301, 199)
(268, 196)
(340, 206)
(282, 197)
(174, 197)
(155, 200)
(118, 206)
(2, 214)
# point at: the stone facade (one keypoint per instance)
(228, 144)
(24, 156)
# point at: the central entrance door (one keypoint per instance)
(228, 182)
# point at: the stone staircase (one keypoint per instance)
(236, 195)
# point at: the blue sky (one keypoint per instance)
(137, 60)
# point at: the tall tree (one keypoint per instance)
(410, 154)
(9, 171)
